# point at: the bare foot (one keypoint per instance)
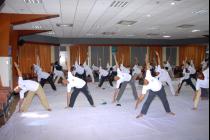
(67, 107)
(171, 113)
(49, 109)
(93, 106)
(140, 116)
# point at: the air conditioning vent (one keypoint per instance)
(126, 22)
(184, 26)
(119, 4)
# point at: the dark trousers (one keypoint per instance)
(123, 87)
(162, 95)
(76, 92)
(204, 93)
(81, 76)
(49, 80)
(194, 76)
(189, 82)
(104, 78)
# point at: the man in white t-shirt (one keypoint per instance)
(89, 72)
(78, 85)
(155, 88)
(168, 67)
(186, 78)
(32, 88)
(123, 79)
(80, 71)
(43, 77)
(163, 75)
(58, 72)
(105, 75)
(202, 87)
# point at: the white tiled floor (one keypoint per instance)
(108, 122)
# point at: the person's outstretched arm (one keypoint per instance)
(117, 64)
(158, 57)
(18, 70)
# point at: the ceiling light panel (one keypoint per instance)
(33, 1)
(126, 22)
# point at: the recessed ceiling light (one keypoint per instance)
(64, 25)
(173, 3)
(194, 31)
(33, 1)
(184, 26)
(149, 15)
(200, 12)
(166, 36)
(37, 27)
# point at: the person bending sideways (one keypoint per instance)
(32, 88)
(202, 87)
(123, 79)
(155, 88)
(78, 86)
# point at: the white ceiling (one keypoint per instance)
(91, 18)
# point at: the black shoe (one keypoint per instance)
(118, 104)
(104, 103)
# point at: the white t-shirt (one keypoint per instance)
(74, 82)
(80, 70)
(154, 84)
(168, 65)
(103, 73)
(136, 69)
(27, 85)
(203, 83)
(192, 70)
(87, 69)
(124, 69)
(95, 68)
(163, 74)
(40, 74)
(124, 77)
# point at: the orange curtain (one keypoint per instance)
(27, 57)
(192, 52)
(152, 50)
(78, 52)
(124, 50)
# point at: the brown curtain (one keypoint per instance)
(78, 51)
(194, 52)
(152, 50)
(124, 50)
(27, 57)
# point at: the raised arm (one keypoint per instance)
(18, 70)
(123, 57)
(117, 64)
(158, 57)
(147, 62)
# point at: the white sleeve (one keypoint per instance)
(118, 84)
(69, 88)
(148, 75)
(22, 92)
(144, 90)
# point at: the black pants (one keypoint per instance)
(49, 80)
(204, 93)
(81, 76)
(194, 76)
(162, 95)
(76, 92)
(103, 78)
(189, 82)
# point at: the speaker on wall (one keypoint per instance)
(21, 42)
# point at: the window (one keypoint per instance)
(172, 53)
